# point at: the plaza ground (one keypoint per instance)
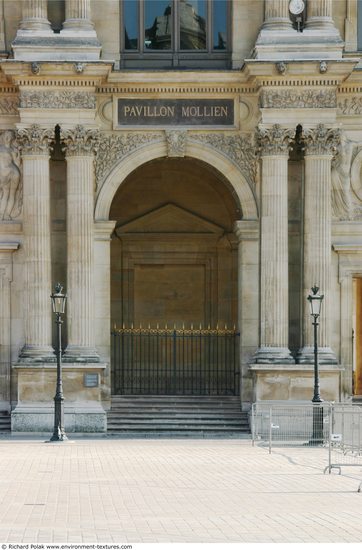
(122, 490)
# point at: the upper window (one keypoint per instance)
(175, 33)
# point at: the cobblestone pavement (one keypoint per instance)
(114, 490)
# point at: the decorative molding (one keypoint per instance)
(321, 140)
(298, 99)
(9, 105)
(238, 148)
(80, 141)
(35, 140)
(176, 142)
(275, 140)
(63, 99)
(11, 189)
(113, 147)
(350, 106)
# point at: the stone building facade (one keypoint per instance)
(196, 166)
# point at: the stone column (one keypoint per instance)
(35, 16)
(35, 143)
(80, 147)
(320, 143)
(276, 15)
(275, 144)
(319, 15)
(77, 16)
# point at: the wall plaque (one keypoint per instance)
(91, 379)
(175, 112)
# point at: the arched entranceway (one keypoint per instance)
(174, 279)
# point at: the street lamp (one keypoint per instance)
(58, 304)
(315, 301)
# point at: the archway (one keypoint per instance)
(174, 280)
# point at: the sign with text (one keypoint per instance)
(176, 112)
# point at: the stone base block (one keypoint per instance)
(272, 355)
(326, 356)
(283, 382)
(40, 418)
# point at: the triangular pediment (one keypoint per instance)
(169, 219)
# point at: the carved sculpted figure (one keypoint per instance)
(342, 205)
(10, 177)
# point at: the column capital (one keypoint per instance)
(274, 141)
(35, 140)
(321, 141)
(80, 141)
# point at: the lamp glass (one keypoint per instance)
(315, 302)
(58, 300)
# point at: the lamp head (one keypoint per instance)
(58, 299)
(315, 300)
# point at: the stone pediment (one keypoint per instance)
(170, 219)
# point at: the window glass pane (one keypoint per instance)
(219, 31)
(130, 17)
(359, 25)
(192, 24)
(158, 24)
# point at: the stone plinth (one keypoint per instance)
(280, 382)
(82, 406)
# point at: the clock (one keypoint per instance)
(296, 7)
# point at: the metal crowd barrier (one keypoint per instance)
(295, 424)
(335, 426)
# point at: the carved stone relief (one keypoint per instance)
(35, 140)
(176, 143)
(321, 140)
(80, 140)
(275, 140)
(112, 148)
(11, 191)
(292, 99)
(9, 105)
(63, 99)
(238, 148)
(350, 106)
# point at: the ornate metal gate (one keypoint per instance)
(175, 361)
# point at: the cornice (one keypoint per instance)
(173, 89)
(22, 73)
(298, 72)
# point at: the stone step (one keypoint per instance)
(157, 415)
(5, 422)
(178, 434)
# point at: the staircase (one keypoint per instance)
(177, 416)
(5, 422)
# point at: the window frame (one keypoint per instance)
(175, 53)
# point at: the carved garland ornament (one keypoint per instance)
(61, 99)
(292, 99)
(80, 141)
(236, 147)
(112, 148)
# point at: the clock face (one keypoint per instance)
(296, 6)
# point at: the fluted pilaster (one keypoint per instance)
(80, 146)
(35, 143)
(319, 14)
(276, 15)
(35, 16)
(320, 143)
(275, 144)
(77, 13)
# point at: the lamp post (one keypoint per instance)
(58, 303)
(315, 301)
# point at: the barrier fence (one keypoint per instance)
(337, 427)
